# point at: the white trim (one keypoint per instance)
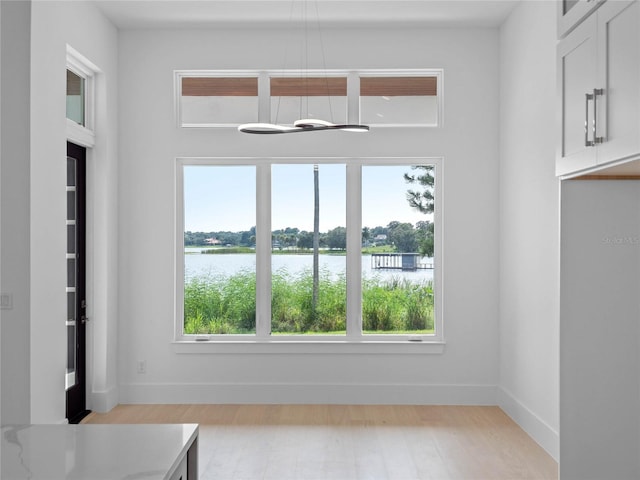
(80, 135)
(103, 401)
(263, 342)
(80, 64)
(307, 393)
(354, 255)
(83, 135)
(545, 435)
(263, 251)
(179, 249)
(387, 344)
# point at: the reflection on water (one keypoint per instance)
(227, 264)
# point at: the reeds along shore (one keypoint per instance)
(227, 304)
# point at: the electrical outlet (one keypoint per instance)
(142, 366)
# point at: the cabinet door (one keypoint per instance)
(572, 12)
(577, 74)
(619, 77)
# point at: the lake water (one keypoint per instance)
(197, 264)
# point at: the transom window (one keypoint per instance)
(310, 249)
(76, 101)
(219, 98)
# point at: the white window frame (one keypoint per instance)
(264, 92)
(83, 135)
(438, 73)
(354, 341)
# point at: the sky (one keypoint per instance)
(222, 198)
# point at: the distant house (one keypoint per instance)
(212, 241)
(380, 238)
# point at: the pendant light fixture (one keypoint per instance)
(305, 124)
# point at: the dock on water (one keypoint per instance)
(398, 261)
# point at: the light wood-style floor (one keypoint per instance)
(346, 442)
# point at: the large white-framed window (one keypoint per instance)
(259, 260)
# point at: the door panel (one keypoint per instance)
(577, 79)
(619, 44)
(76, 288)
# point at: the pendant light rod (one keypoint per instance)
(307, 124)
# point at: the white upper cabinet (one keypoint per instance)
(599, 89)
(619, 76)
(577, 78)
(572, 12)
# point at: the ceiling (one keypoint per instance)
(144, 14)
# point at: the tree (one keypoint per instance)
(425, 238)
(366, 235)
(337, 238)
(404, 237)
(422, 201)
(305, 240)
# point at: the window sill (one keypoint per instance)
(308, 347)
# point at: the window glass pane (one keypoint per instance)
(308, 276)
(399, 101)
(75, 98)
(323, 98)
(70, 378)
(219, 240)
(219, 100)
(397, 239)
(71, 272)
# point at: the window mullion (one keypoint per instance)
(353, 98)
(263, 251)
(354, 251)
(264, 98)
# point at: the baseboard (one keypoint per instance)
(103, 401)
(538, 429)
(309, 394)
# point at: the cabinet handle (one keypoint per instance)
(596, 139)
(592, 97)
(587, 98)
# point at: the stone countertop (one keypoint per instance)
(94, 452)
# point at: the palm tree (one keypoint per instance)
(316, 241)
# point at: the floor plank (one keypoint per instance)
(351, 442)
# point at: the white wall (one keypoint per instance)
(81, 25)
(529, 222)
(15, 210)
(467, 372)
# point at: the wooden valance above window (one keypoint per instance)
(308, 87)
(398, 86)
(219, 87)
